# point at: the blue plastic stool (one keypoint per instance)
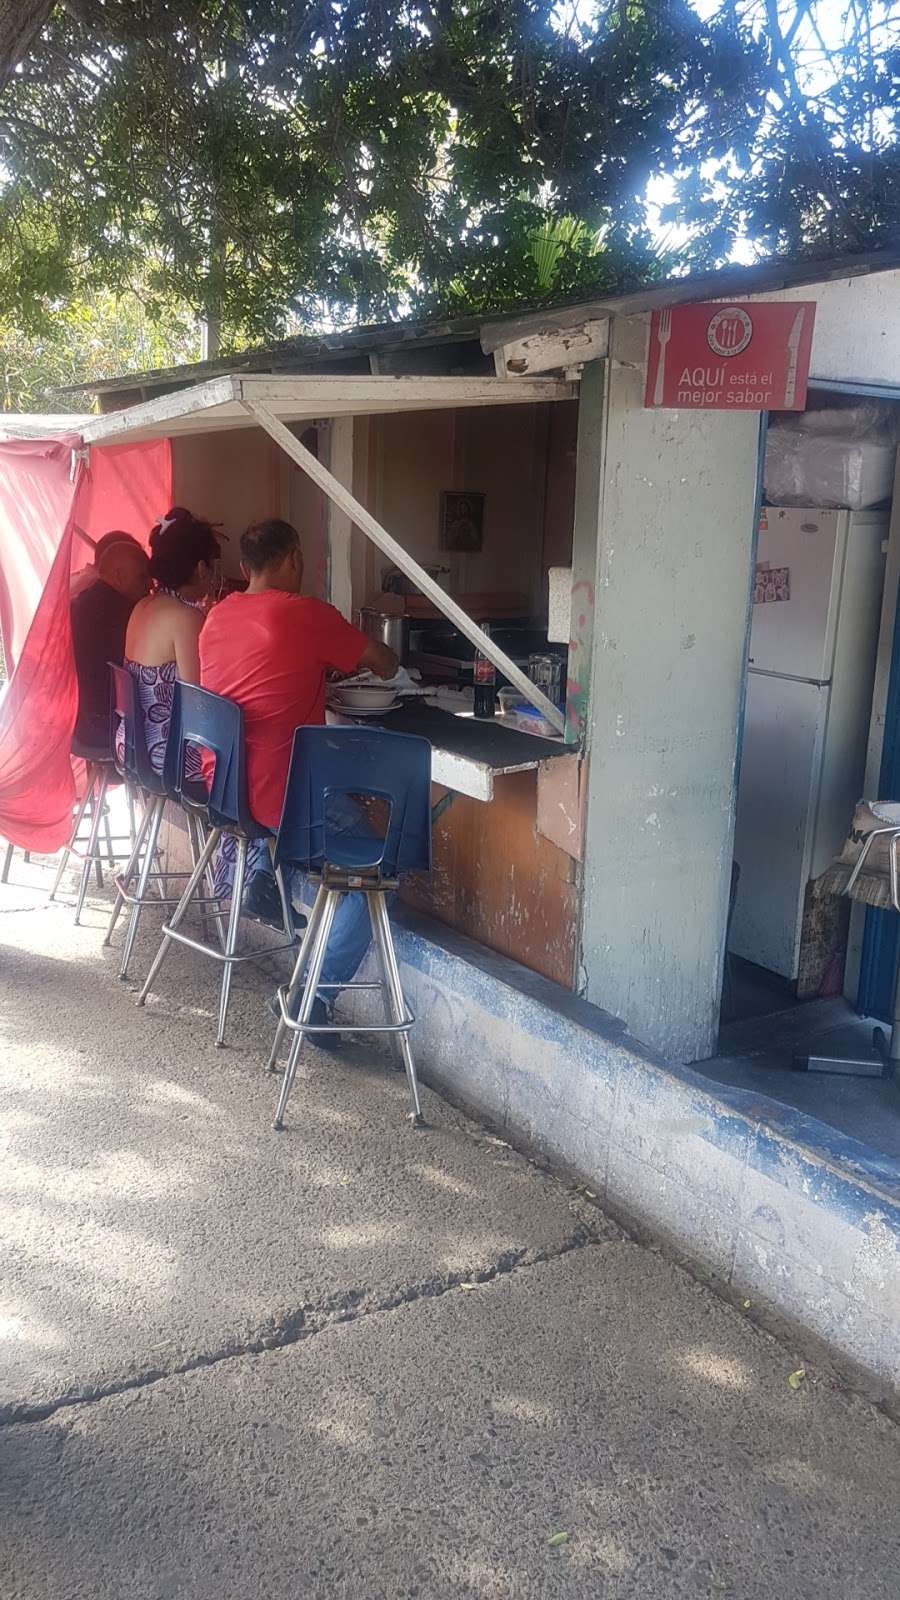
(148, 785)
(394, 768)
(207, 720)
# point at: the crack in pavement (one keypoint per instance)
(350, 1305)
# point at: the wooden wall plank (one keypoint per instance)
(497, 880)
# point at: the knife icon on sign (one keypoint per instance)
(790, 382)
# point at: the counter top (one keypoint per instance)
(468, 753)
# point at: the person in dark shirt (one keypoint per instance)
(99, 622)
(87, 575)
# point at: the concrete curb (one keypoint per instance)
(775, 1203)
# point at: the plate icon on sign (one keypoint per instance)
(729, 331)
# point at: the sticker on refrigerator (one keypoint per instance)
(771, 584)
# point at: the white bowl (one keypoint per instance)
(364, 696)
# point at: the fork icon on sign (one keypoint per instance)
(663, 335)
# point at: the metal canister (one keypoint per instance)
(390, 630)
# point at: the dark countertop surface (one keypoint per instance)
(467, 753)
(489, 742)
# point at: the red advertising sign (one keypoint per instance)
(749, 356)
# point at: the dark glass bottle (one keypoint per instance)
(485, 682)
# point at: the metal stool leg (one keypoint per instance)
(384, 940)
(197, 835)
(7, 863)
(399, 1065)
(101, 778)
(180, 910)
(296, 983)
(286, 911)
(64, 858)
(195, 841)
(97, 865)
(130, 870)
(210, 881)
(110, 848)
(234, 917)
(158, 863)
(323, 931)
(155, 818)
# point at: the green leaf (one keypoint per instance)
(283, 166)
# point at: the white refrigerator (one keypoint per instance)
(816, 608)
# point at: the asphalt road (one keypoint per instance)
(355, 1360)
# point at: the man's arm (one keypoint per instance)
(345, 649)
(379, 658)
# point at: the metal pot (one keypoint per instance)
(392, 631)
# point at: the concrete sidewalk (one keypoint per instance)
(357, 1360)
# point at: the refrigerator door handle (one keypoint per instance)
(789, 677)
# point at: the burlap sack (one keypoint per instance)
(873, 885)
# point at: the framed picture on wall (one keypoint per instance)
(462, 521)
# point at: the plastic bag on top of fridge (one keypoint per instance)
(833, 456)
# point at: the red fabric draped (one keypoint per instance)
(37, 513)
(37, 495)
(45, 490)
(125, 486)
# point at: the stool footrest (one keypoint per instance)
(342, 1027)
(221, 955)
(101, 854)
(299, 999)
(134, 899)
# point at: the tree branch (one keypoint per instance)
(20, 23)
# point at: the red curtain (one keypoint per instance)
(37, 495)
(46, 488)
(125, 486)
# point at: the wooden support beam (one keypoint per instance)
(552, 352)
(297, 397)
(339, 456)
(152, 414)
(372, 528)
(327, 396)
(589, 486)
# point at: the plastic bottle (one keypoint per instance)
(485, 677)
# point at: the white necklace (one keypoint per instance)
(195, 605)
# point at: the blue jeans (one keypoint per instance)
(351, 930)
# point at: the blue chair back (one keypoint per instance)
(329, 764)
(213, 723)
(127, 719)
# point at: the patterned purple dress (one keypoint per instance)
(156, 688)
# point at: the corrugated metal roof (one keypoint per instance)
(463, 345)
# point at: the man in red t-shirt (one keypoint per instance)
(269, 649)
